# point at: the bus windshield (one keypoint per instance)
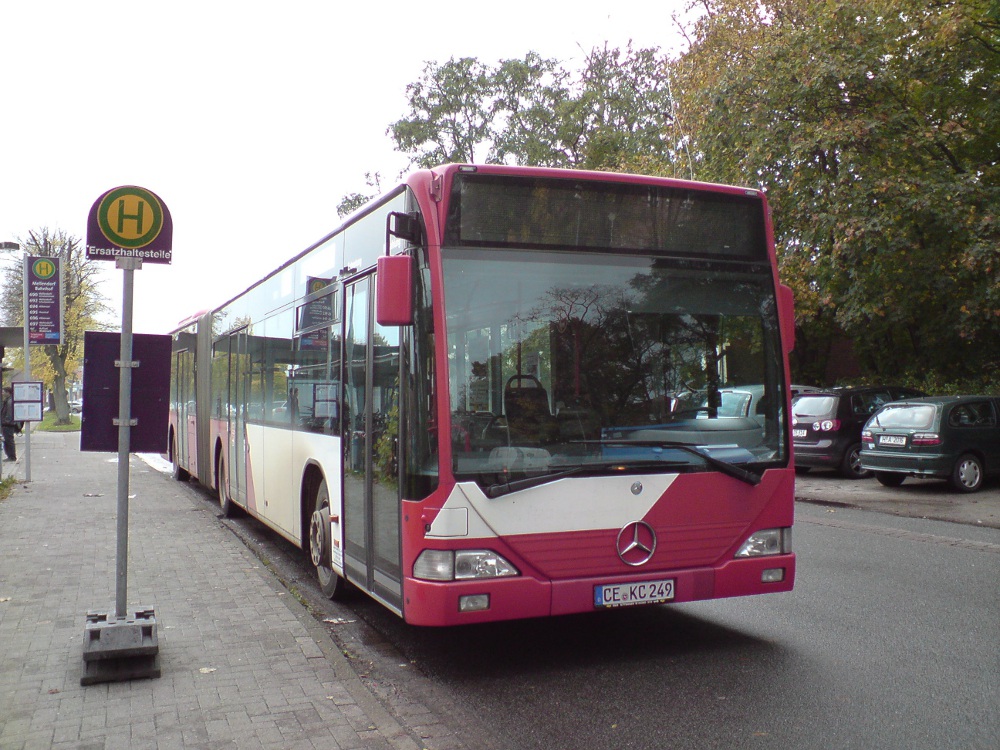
(603, 362)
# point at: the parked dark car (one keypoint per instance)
(952, 437)
(826, 426)
(798, 390)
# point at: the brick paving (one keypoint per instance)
(243, 665)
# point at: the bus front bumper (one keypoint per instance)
(457, 603)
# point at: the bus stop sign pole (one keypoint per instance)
(127, 224)
(125, 363)
(125, 646)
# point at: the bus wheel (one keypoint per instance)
(225, 499)
(178, 473)
(331, 584)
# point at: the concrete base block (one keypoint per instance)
(120, 649)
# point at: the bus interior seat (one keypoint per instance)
(527, 407)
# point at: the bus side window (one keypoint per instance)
(315, 382)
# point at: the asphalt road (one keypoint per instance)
(888, 641)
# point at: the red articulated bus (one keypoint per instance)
(500, 392)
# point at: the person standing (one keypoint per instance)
(8, 425)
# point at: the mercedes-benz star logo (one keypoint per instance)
(636, 543)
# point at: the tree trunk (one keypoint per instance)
(60, 398)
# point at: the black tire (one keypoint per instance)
(802, 469)
(967, 476)
(889, 478)
(181, 475)
(331, 584)
(850, 466)
(226, 503)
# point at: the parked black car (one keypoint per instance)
(798, 390)
(826, 426)
(952, 437)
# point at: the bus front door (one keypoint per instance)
(371, 429)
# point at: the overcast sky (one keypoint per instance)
(250, 120)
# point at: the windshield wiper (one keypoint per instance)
(503, 488)
(732, 470)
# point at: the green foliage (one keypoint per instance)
(619, 112)
(452, 113)
(352, 202)
(875, 129)
(873, 125)
(385, 448)
(51, 423)
(609, 115)
(7, 485)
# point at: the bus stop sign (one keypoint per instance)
(130, 222)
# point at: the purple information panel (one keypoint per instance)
(150, 400)
(42, 282)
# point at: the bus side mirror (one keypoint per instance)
(394, 290)
(404, 226)
(786, 313)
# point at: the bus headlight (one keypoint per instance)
(767, 542)
(435, 565)
(463, 565)
(482, 563)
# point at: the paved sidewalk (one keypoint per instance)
(932, 499)
(243, 663)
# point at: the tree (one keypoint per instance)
(83, 306)
(611, 114)
(874, 128)
(461, 110)
(353, 201)
(618, 114)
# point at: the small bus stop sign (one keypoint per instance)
(130, 222)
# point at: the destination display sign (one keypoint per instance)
(130, 222)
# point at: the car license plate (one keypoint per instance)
(799, 433)
(892, 440)
(627, 594)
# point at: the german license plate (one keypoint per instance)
(892, 440)
(627, 594)
(799, 433)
